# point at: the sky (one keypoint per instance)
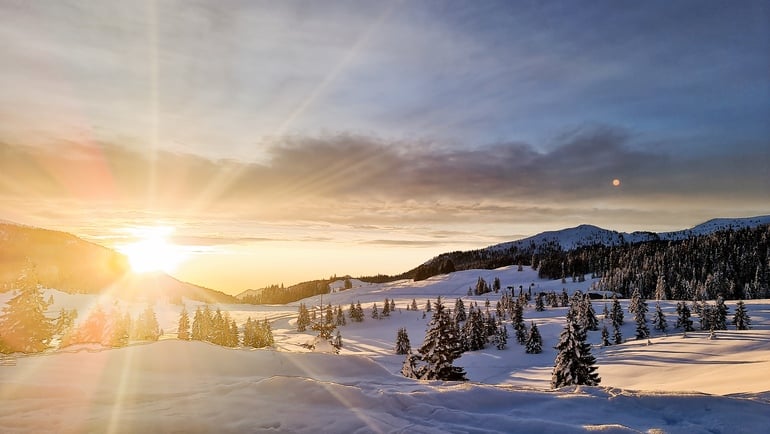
(277, 142)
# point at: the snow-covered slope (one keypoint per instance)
(193, 387)
(673, 384)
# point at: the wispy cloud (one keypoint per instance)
(361, 180)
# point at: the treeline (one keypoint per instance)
(733, 264)
(276, 294)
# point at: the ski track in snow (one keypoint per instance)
(675, 385)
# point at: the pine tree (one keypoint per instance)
(94, 328)
(340, 317)
(375, 312)
(386, 309)
(183, 330)
(616, 313)
(639, 308)
(517, 320)
(411, 369)
(534, 343)
(474, 331)
(588, 315)
(441, 347)
(392, 305)
(414, 304)
(460, 310)
(741, 318)
(659, 319)
(605, 336)
(303, 318)
(427, 306)
(617, 337)
(23, 324)
(196, 332)
(267, 333)
(575, 365)
(357, 312)
(683, 319)
(147, 327)
(501, 337)
(720, 314)
(539, 304)
(402, 342)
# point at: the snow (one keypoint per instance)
(586, 235)
(675, 385)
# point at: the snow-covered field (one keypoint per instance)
(672, 384)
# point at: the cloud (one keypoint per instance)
(353, 179)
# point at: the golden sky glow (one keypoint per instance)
(289, 141)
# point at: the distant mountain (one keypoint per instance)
(587, 235)
(521, 251)
(71, 264)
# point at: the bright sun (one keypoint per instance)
(152, 251)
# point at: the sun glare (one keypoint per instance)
(152, 251)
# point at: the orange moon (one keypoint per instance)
(616, 182)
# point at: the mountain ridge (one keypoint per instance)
(71, 264)
(584, 235)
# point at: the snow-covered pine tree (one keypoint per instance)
(574, 365)
(386, 309)
(441, 347)
(392, 304)
(428, 307)
(534, 343)
(659, 319)
(249, 333)
(616, 312)
(720, 314)
(539, 304)
(303, 318)
(639, 308)
(475, 331)
(605, 336)
(196, 332)
(183, 329)
(402, 342)
(683, 319)
(741, 318)
(267, 333)
(588, 315)
(375, 312)
(617, 336)
(517, 320)
(501, 337)
(23, 324)
(460, 310)
(339, 317)
(147, 327)
(411, 368)
(414, 305)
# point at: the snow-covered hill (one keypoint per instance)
(586, 235)
(673, 385)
